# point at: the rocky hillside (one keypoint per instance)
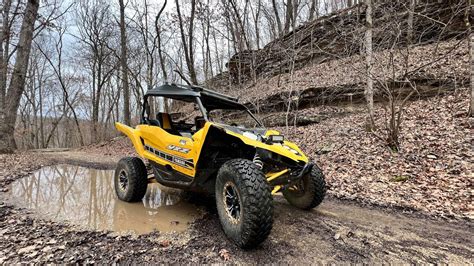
(323, 62)
(429, 68)
(341, 34)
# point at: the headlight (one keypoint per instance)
(275, 139)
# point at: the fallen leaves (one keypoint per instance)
(433, 172)
(165, 243)
(27, 249)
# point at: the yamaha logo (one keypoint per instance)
(178, 149)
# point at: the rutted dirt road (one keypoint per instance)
(336, 231)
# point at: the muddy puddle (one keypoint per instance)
(86, 197)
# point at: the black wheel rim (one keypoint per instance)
(232, 202)
(123, 180)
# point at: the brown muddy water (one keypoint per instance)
(86, 197)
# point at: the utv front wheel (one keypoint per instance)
(130, 179)
(244, 203)
(309, 192)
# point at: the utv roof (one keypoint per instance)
(209, 98)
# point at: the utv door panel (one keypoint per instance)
(166, 149)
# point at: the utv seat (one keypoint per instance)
(165, 121)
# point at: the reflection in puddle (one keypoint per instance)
(86, 196)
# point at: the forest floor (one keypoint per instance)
(371, 213)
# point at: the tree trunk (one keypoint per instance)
(313, 9)
(369, 90)
(4, 32)
(192, 71)
(17, 83)
(277, 17)
(469, 10)
(188, 45)
(123, 63)
(471, 60)
(410, 22)
(158, 36)
(289, 16)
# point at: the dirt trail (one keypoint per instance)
(334, 232)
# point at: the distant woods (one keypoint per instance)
(70, 69)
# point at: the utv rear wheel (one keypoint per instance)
(244, 203)
(309, 192)
(130, 179)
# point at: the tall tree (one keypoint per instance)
(95, 28)
(17, 83)
(188, 42)
(289, 16)
(277, 17)
(369, 90)
(313, 10)
(124, 66)
(159, 42)
(4, 37)
(58, 71)
(411, 14)
(469, 10)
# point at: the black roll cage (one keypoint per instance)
(214, 100)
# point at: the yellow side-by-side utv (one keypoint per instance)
(208, 147)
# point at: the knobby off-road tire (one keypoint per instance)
(314, 190)
(254, 222)
(130, 179)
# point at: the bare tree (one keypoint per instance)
(369, 90)
(289, 16)
(8, 113)
(95, 30)
(123, 63)
(159, 41)
(470, 36)
(277, 17)
(313, 9)
(4, 36)
(256, 21)
(58, 71)
(411, 13)
(188, 42)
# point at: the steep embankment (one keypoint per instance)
(341, 34)
(430, 67)
(322, 61)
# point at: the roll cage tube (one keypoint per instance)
(254, 117)
(144, 105)
(202, 108)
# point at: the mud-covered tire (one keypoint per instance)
(134, 187)
(255, 203)
(314, 190)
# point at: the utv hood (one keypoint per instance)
(257, 137)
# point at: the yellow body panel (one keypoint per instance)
(275, 147)
(158, 139)
(182, 153)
